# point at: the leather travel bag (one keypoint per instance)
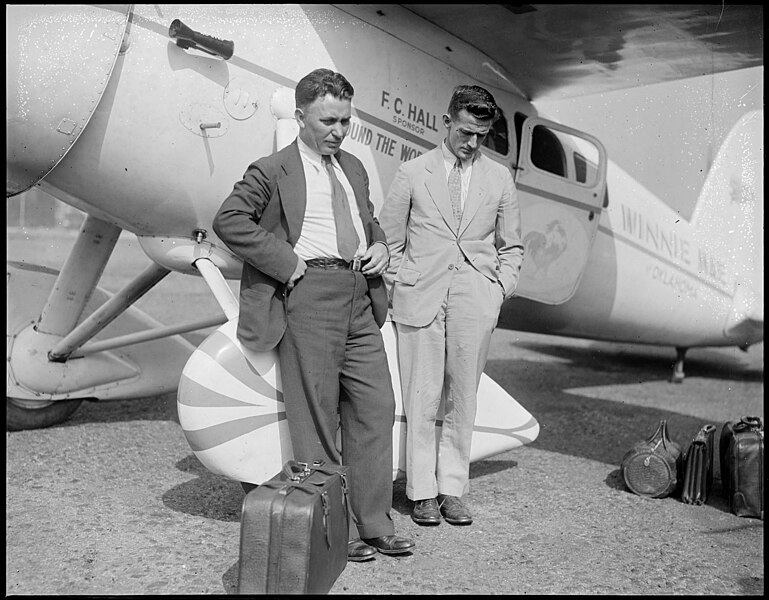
(652, 467)
(698, 467)
(294, 531)
(741, 454)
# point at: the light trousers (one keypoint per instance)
(440, 368)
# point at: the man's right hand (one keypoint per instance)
(298, 273)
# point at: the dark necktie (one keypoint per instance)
(346, 237)
(455, 190)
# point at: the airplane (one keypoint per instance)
(144, 116)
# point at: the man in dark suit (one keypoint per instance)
(313, 256)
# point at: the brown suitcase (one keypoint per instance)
(294, 531)
(741, 450)
(698, 467)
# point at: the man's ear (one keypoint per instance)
(299, 116)
(446, 121)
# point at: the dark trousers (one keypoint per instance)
(334, 374)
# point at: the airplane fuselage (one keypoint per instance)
(175, 128)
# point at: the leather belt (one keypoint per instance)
(333, 263)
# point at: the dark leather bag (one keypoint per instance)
(698, 467)
(294, 531)
(651, 467)
(741, 454)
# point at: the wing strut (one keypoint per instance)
(218, 285)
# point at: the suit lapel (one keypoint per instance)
(476, 192)
(357, 182)
(438, 188)
(355, 178)
(292, 188)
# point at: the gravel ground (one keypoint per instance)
(114, 501)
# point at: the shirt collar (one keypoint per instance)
(451, 159)
(313, 156)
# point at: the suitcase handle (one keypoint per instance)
(705, 432)
(295, 470)
(749, 423)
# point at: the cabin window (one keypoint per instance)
(547, 152)
(580, 167)
(560, 153)
(498, 139)
(518, 122)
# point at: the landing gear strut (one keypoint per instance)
(678, 369)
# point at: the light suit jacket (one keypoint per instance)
(426, 245)
(261, 221)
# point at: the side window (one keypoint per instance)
(580, 167)
(498, 139)
(547, 152)
(518, 121)
(560, 152)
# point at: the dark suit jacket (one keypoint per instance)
(261, 221)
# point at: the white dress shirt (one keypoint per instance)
(318, 237)
(449, 160)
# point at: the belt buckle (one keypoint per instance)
(355, 264)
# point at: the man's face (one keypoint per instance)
(324, 123)
(465, 134)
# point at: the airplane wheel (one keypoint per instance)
(35, 414)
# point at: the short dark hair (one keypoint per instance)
(320, 82)
(475, 100)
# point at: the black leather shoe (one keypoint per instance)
(358, 551)
(390, 544)
(454, 511)
(426, 512)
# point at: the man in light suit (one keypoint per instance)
(453, 225)
(313, 256)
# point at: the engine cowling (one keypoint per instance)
(59, 59)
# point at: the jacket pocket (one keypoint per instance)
(406, 276)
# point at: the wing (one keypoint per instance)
(554, 51)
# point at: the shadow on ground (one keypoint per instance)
(208, 495)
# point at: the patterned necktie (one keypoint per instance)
(455, 190)
(346, 237)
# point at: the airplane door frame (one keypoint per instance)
(561, 181)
